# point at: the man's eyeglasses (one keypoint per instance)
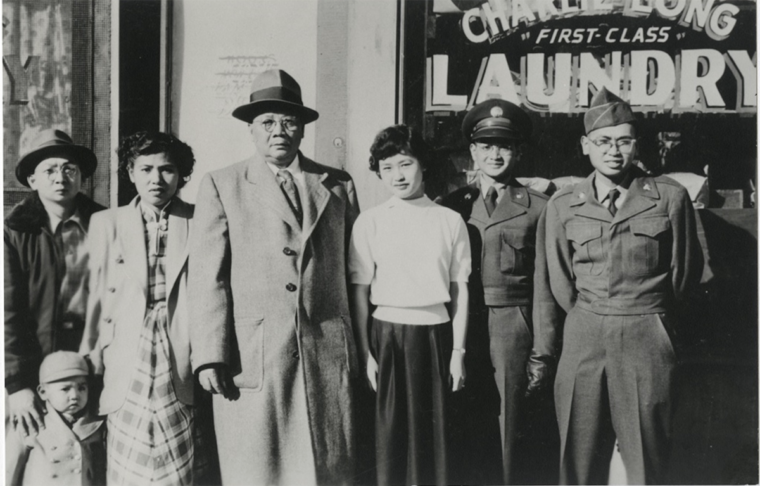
(70, 171)
(487, 148)
(288, 124)
(624, 145)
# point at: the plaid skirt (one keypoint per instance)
(150, 438)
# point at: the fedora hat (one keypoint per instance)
(55, 143)
(272, 90)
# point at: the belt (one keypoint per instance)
(615, 306)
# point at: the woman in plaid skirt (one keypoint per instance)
(137, 331)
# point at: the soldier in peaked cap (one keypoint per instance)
(618, 253)
(270, 328)
(45, 266)
(502, 216)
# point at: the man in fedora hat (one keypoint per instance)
(45, 267)
(270, 327)
(618, 252)
(502, 215)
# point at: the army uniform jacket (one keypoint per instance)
(59, 454)
(505, 247)
(643, 260)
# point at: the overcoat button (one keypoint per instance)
(288, 251)
(290, 287)
(295, 354)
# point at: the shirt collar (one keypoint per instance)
(149, 213)
(603, 191)
(55, 221)
(294, 167)
(486, 183)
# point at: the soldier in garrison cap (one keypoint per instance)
(618, 252)
(502, 216)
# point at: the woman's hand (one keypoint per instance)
(457, 371)
(27, 412)
(372, 371)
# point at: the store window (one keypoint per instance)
(49, 61)
(688, 68)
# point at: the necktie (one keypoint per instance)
(289, 188)
(491, 196)
(614, 195)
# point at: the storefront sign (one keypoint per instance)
(660, 55)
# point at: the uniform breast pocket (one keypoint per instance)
(589, 258)
(250, 337)
(517, 252)
(648, 242)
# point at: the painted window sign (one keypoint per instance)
(677, 56)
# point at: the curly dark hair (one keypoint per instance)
(399, 139)
(148, 143)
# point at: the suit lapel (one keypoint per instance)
(131, 234)
(585, 204)
(641, 196)
(512, 204)
(268, 191)
(316, 197)
(177, 242)
(479, 212)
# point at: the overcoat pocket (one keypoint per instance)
(250, 337)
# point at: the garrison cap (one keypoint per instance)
(607, 110)
(496, 118)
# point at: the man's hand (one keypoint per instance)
(217, 380)
(457, 371)
(27, 411)
(539, 377)
(372, 371)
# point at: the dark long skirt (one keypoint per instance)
(412, 390)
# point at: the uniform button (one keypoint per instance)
(291, 287)
(52, 448)
(119, 260)
(111, 289)
(295, 354)
(108, 320)
(288, 251)
(54, 461)
(54, 475)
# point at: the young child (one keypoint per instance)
(70, 448)
(137, 333)
(411, 259)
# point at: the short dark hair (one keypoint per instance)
(399, 139)
(148, 143)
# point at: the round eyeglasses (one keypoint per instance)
(624, 145)
(69, 171)
(487, 148)
(288, 124)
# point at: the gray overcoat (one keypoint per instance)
(268, 299)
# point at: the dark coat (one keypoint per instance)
(269, 300)
(34, 270)
(503, 259)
